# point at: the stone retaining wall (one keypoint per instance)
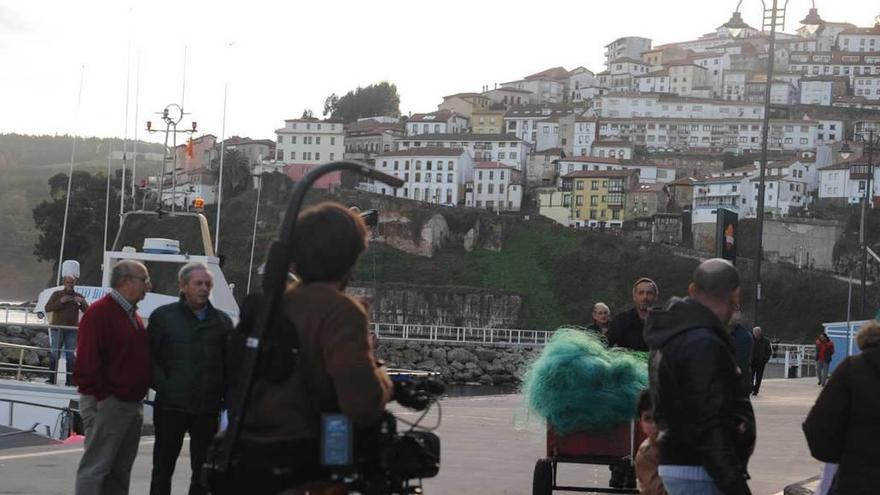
(14, 334)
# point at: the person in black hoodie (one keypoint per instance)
(706, 422)
(844, 424)
(627, 329)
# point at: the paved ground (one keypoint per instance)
(490, 446)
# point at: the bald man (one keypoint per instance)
(701, 408)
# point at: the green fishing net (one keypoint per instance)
(579, 384)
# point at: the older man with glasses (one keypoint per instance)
(112, 373)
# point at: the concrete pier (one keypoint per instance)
(489, 446)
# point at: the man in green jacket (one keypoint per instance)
(187, 350)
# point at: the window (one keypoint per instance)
(479, 188)
(292, 140)
(491, 188)
(450, 165)
(317, 156)
(449, 178)
(418, 164)
(594, 186)
(592, 214)
(280, 139)
(293, 155)
(594, 200)
(579, 201)
(579, 185)
(332, 141)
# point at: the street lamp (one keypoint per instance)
(865, 172)
(774, 17)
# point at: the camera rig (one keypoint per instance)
(383, 460)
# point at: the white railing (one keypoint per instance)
(442, 333)
(21, 315)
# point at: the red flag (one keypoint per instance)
(190, 151)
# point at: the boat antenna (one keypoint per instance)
(107, 199)
(256, 220)
(82, 71)
(125, 131)
(220, 179)
(134, 163)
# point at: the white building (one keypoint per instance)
(509, 96)
(439, 122)
(836, 185)
(849, 64)
(717, 192)
(432, 175)
(583, 85)
(672, 106)
(654, 82)
(781, 92)
(310, 141)
(715, 63)
(548, 133)
(867, 86)
(782, 195)
(859, 39)
(495, 187)
(541, 91)
(585, 133)
(733, 85)
(504, 148)
(622, 150)
(555, 204)
(816, 91)
(524, 122)
(649, 173)
(629, 47)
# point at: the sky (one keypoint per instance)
(277, 58)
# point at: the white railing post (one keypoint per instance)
(787, 360)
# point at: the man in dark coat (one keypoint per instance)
(706, 422)
(761, 353)
(627, 329)
(844, 424)
(187, 346)
(601, 316)
(743, 345)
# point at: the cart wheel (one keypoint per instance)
(542, 480)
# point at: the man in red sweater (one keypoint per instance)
(112, 373)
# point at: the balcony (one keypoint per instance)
(616, 200)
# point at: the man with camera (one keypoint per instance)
(335, 370)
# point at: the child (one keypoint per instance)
(648, 456)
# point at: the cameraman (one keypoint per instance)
(335, 370)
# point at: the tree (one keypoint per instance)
(236, 173)
(330, 104)
(85, 222)
(307, 114)
(375, 99)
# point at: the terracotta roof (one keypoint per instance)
(871, 30)
(460, 137)
(513, 90)
(492, 165)
(719, 179)
(591, 159)
(622, 60)
(465, 95)
(842, 165)
(552, 73)
(700, 55)
(656, 73)
(551, 151)
(587, 174)
(429, 151)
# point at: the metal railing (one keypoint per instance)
(451, 334)
(20, 367)
(64, 422)
(20, 315)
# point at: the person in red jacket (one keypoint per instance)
(824, 351)
(112, 373)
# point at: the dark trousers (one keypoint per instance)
(757, 376)
(171, 426)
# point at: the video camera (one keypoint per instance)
(378, 460)
(381, 459)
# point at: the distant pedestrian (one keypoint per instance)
(601, 317)
(113, 375)
(743, 346)
(648, 456)
(627, 329)
(761, 353)
(65, 306)
(706, 422)
(844, 424)
(824, 351)
(187, 347)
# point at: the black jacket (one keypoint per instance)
(761, 352)
(188, 357)
(844, 425)
(627, 330)
(702, 410)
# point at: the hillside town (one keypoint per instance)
(653, 144)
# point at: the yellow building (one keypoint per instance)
(465, 103)
(599, 196)
(487, 121)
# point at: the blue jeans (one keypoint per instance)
(822, 371)
(678, 486)
(62, 340)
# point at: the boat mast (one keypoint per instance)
(70, 174)
(137, 92)
(125, 132)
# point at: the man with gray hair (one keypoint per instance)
(601, 317)
(112, 373)
(187, 346)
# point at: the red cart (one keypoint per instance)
(617, 447)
